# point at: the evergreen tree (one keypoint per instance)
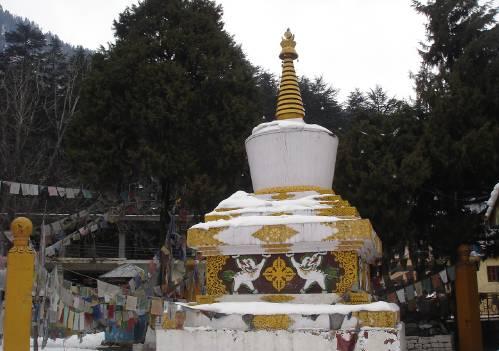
(458, 91)
(321, 106)
(173, 98)
(378, 169)
(39, 92)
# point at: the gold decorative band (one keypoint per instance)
(294, 189)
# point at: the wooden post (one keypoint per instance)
(18, 299)
(468, 303)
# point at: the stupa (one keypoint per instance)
(288, 265)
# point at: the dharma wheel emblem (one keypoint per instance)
(279, 274)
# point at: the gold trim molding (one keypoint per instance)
(294, 189)
(272, 322)
(277, 298)
(277, 248)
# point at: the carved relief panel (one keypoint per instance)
(282, 273)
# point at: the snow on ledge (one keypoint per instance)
(242, 200)
(266, 220)
(295, 124)
(269, 308)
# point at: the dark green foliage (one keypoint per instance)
(173, 98)
(379, 165)
(39, 92)
(458, 91)
(321, 106)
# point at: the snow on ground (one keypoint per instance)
(89, 342)
(268, 308)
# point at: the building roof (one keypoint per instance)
(124, 271)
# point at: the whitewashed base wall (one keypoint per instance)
(368, 339)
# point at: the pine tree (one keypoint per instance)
(378, 169)
(458, 91)
(173, 99)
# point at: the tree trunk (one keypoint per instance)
(166, 249)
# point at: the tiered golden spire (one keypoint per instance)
(289, 103)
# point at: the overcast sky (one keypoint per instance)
(352, 43)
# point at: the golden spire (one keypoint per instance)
(289, 103)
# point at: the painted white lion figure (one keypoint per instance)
(250, 271)
(308, 269)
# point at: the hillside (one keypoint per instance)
(9, 22)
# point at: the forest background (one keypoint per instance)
(169, 104)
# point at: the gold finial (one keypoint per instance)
(21, 229)
(289, 103)
(288, 44)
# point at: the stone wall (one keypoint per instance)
(430, 343)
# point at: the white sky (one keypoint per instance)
(352, 43)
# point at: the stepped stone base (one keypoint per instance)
(379, 339)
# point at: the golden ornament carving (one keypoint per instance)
(272, 322)
(197, 237)
(277, 298)
(350, 229)
(214, 285)
(294, 189)
(377, 319)
(349, 262)
(279, 274)
(274, 233)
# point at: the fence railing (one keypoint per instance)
(489, 306)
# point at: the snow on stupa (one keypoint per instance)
(289, 263)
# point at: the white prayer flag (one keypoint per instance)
(61, 191)
(104, 289)
(131, 303)
(401, 295)
(26, 189)
(14, 188)
(34, 189)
